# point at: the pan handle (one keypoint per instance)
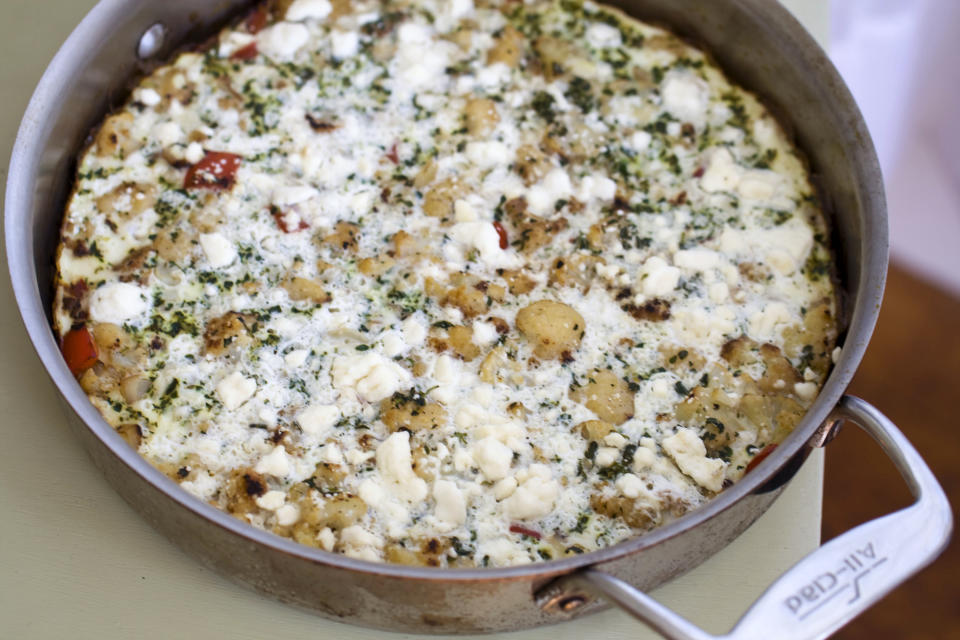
(826, 589)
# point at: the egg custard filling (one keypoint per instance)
(446, 282)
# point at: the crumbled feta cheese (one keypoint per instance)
(484, 333)
(194, 153)
(370, 376)
(147, 96)
(688, 451)
(487, 154)
(414, 333)
(331, 454)
(640, 140)
(603, 36)
(534, 498)
(614, 439)
(296, 358)
(451, 506)
(287, 515)
(282, 40)
(606, 456)
(493, 457)
(805, 390)
(396, 468)
(464, 212)
(344, 44)
(696, 259)
(658, 278)
(643, 458)
(276, 463)
(318, 419)
(630, 486)
(292, 195)
(359, 543)
(272, 500)
(327, 539)
(220, 252)
(235, 389)
(722, 173)
(118, 302)
(393, 344)
(504, 488)
(307, 9)
(685, 96)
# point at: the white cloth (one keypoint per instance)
(900, 59)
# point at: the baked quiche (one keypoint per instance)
(446, 282)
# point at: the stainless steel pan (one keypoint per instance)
(764, 49)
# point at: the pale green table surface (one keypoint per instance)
(76, 562)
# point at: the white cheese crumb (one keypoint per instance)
(603, 36)
(696, 259)
(305, 9)
(614, 439)
(835, 355)
(504, 488)
(414, 333)
(220, 252)
(292, 195)
(296, 358)
(167, 133)
(318, 419)
(688, 451)
(396, 467)
(235, 389)
(535, 497)
(451, 506)
(488, 154)
(805, 390)
(272, 500)
(685, 96)
(722, 173)
(359, 543)
(147, 96)
(276, 463)
(484, 333)
(606, 456)
(327, 539)
(344, 44)
(331, 454)
(658, 278)
(287, 515)
(463, 211)
(194, 153)
(640, 140)
(370, 376)
(643, 458)
(719, 292)
(493, 457)
(117, 302)
(393, 344)
(630, 486)
(764, 323)
(282, 40)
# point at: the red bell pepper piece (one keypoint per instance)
(757, 459)
(524, 531)
(216, 171)
(504, 242)
(79, 350)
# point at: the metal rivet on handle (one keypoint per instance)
(558, 598)
(152, 40)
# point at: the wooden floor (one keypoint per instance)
(912, 373)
